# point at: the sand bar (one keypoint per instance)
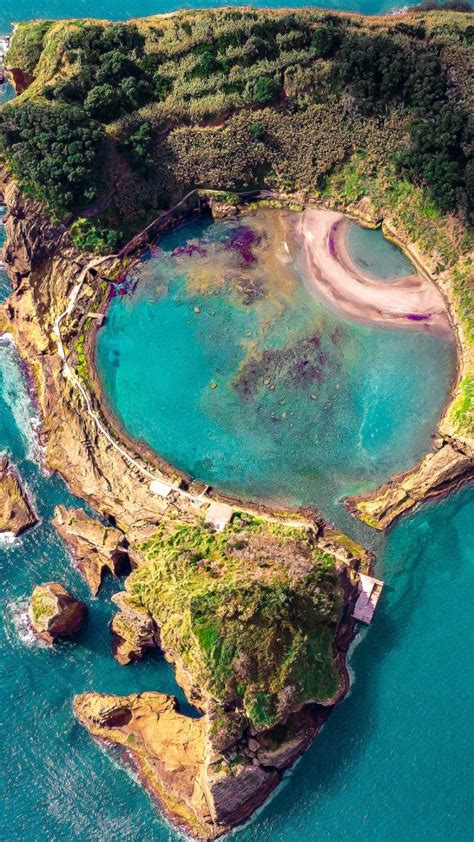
(412, 301)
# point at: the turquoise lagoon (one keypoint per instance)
(223, 362)
(391, 764)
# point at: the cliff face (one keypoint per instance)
(44, 267)
(16, 512)
(438, 473)
(210, 773)
(96, 547)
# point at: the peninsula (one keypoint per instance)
(120, 132)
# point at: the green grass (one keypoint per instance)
(251, 612)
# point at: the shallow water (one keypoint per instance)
(255, 386)
(377, 256)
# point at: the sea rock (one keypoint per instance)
(438, 473)
(133, 628)
(16, 513)
(53, 612)
(170, 752)
(96, 547)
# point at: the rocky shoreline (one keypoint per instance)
(44, 267)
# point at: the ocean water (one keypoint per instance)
(255, 386)
(376, 255)
(125, 9)
(394, 762)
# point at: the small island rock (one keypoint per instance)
(54, 612)
(96, 547)
(16, 513)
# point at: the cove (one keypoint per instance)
(215, 354)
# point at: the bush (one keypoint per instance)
(266, 89)
(54, 151)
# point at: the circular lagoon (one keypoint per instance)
(217, 354)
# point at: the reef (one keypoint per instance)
(96, 547)
(54, 613)
(16, 512)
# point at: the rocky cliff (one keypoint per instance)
(53, 612)
(16, 512)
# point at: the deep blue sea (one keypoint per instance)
(394, 763)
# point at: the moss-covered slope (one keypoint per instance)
(251, 612)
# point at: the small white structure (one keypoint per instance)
(219, 515)
(160, 488)
(369, 595)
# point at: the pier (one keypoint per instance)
(369, 595)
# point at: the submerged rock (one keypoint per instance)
(16, 513)
(54, 612)
(96, 547)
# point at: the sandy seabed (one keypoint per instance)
(412, 301)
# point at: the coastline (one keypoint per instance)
(407, 302)
(73, 446)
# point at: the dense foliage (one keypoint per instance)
(330, 80)
(251, 612)
(55, 153)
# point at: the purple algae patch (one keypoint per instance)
(189, 250)
(332, 242)
(243, 240)
(419, 317)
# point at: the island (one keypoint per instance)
(121, 132)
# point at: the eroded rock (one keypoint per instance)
(96, 547)
(133, 628)
(438, 473)
(54, 612)
(16, 512)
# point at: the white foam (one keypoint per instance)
(16, 396)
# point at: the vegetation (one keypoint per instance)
(148, 90)
(122, 120)
(251, 612)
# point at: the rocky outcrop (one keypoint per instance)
(54, 613)
(16, 512)
(438, 473)
(133, 629)
(205, 791)
(96, 547)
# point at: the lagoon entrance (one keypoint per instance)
(243, 377)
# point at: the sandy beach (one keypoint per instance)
(412, 301)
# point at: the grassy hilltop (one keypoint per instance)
(251, 612)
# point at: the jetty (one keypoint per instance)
(369, 595)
